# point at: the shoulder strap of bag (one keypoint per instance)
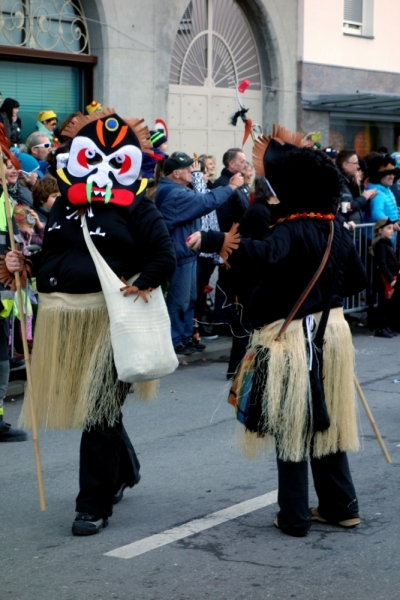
(309, 287)
(319, 336)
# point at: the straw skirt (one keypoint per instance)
(286, 402)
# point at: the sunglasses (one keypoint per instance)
(28, 173)
(46, 145)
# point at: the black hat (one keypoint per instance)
(176, 160)
(158, 138)
(382, 165)
(382, 223)
(331, 152)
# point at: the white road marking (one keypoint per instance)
(193, 527)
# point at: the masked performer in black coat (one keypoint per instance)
(75, 380)
(295, 386)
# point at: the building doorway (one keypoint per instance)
(214, 49)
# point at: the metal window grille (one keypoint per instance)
(214, 45)
(57, 25)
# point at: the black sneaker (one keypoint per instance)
(8, 434)
(198, 346)
(181, 349)
(383, 333)
(119, 494)
(86, 524)
(393, 333)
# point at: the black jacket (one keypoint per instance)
(130, 241)
(234, 208)
(290, 256)
(256, 221)
(351, 193)
(385, 262)
(12, 129)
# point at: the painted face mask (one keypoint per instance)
(104, 160)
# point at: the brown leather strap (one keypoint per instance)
(308, 289)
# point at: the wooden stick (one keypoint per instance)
(372, 420)
(42, 502)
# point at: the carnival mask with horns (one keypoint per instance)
(104, 160)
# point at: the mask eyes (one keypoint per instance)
(88, 156)
(122, 162)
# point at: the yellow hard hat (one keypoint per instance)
(94, 107)
(46, 115)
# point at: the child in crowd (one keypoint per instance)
(386, 270)
(29, 226)
(44, 194)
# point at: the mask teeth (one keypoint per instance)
(89, 192)
(108, 195)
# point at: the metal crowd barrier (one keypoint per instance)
(362, 237)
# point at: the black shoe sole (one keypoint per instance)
(89, 530)
(16, 438)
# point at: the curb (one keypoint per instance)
(218, 350)
(15, 388)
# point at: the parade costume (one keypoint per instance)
(75, 380)
(293, 388)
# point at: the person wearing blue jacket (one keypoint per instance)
(182, 209)
(382, 175)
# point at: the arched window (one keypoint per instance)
(214, 49)
(214, 46)
(56, 25)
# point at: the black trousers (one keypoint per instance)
(337, 499)
(107, 460)
(205, 268)
(241, 328)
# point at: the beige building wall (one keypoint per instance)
(133, 40)
(323, 41)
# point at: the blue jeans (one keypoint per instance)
(181, 300)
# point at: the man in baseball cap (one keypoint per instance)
(182, 208)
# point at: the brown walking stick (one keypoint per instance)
(372, 420)
(35, 435)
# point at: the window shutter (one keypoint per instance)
(41, 87)
(353, 11)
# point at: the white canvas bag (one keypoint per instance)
(140, 332)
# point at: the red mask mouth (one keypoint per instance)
(77, 194)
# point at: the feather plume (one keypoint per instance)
(8, 279)
(5, 148)
(141, 132)
(240, 113)
(279, 134)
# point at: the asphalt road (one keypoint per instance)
(191, 469)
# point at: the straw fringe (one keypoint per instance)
(147, 390)
(286, 393)
(75, 382)
(340, 397)
(250, 445)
